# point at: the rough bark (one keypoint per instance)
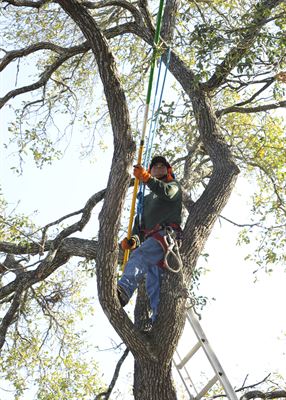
(152, 381)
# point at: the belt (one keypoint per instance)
(159, 227)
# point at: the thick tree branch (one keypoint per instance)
(109, 3)
(70, 247)
(58, 250)
(36, 85)
(9, 317)
(65, 54)
(146, 32)
(26, 3)
(72, 51)
(109, 218)
(147, 17)
(105, 61)
(169, 19)
(207, 208)
(248, 110)
(258, 394)
(261, 15)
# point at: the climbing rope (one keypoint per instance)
(172, 249)
(154, 120)
(152, 131)
(141, 146)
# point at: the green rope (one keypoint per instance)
(155, 50)
(140, 152)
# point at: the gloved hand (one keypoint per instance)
(140, 173)
(129, 244)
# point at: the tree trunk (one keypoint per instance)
(153, 381)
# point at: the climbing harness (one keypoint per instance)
(140, 152)
(170, 243)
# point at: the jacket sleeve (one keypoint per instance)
(169, 191)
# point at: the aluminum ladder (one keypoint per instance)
(213, 361)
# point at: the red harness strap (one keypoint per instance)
(163, 243)
(159, 227)
(154, 233)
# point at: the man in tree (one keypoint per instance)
(162, 209)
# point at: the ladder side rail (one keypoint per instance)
(183, 380)
(211, 355)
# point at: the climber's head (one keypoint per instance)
(161, 169)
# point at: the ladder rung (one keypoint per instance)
(189, 355)
(206, 388)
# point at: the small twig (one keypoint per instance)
(254, 384)
(106, 395)
(240, 225)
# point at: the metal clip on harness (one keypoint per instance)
(172, 249)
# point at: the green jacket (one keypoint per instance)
(163, 205)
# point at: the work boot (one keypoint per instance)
(122, 296)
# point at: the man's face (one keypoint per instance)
(159, 170)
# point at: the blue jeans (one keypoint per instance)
(143, 263)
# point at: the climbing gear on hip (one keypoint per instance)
(170, 243)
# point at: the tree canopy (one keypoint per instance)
(90, 63)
